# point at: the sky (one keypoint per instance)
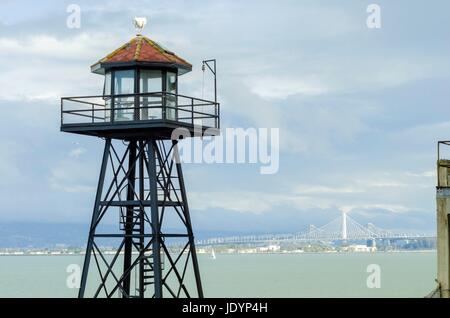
(359, 110)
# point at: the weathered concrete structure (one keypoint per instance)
(443, 210)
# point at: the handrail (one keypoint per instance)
(183, 112)
(82, 102)
(445, 143)
(140, 94)
(441, 142)
(134, 108)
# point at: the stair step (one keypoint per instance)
(133, 226)
(137, 203)
(130, 223)
(134, 221)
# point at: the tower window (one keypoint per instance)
(150, 81)
(124, 105)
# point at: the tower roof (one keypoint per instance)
(140, 50)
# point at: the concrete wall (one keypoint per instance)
(443, 210)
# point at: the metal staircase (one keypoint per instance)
(136, 224)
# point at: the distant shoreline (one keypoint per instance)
(219, 253)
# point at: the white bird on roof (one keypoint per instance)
(139, 24)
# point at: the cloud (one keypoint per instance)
(48, 67)
(76, 47)
(424, 174)
(365, 196)
(301, 198)
(72, 175)
(311, 189)
(78, 188)
(394, 208)
(10, 171)
(342, 77)
(428, 133)
(349, 102)
(250, 201)
(384, 184)
(77, 152)
(282, 87)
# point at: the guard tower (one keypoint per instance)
(141, 187)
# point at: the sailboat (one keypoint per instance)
(213, 254)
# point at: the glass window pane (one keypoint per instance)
(171, 100)
(107, 85)
(171, 82)
(124, 84)
(151, 105)
(150, 81)
(106, 98)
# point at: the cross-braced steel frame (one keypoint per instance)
(145, 190)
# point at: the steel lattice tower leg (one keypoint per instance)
(146, 190)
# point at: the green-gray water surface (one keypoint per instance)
(406, 274)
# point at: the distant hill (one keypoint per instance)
(48, 235)
(42, 234)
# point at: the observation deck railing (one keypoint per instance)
(155, 106)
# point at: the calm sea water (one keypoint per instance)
(252, 275)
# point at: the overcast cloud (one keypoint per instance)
(359, 110)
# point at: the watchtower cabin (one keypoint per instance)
(140, 96)
(141, 184)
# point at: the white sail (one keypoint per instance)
(213, 254)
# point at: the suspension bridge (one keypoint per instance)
(343, 228)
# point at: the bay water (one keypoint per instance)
(402, 274)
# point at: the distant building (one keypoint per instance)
(269, 248)
(248, 251)
(359, 248)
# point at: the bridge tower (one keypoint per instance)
(344, 225)
(443, 229)
(141, 187)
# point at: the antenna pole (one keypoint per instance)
(213, 70)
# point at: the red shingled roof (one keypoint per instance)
(142, 49)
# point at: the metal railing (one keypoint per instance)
(441, 159)
(439, 149)
(140, 107)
